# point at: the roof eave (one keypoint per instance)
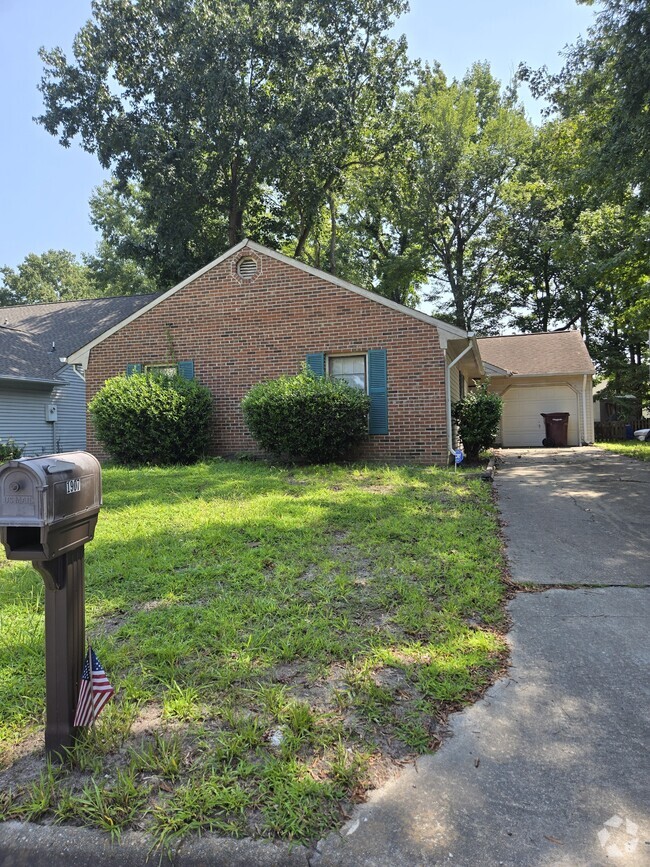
(31, 379)
(514, 375)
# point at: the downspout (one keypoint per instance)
(448, 367)
(584, 409)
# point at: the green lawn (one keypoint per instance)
(280, 640)
(631, 448)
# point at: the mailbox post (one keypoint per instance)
(48, 511)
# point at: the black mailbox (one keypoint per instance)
(48, 511)
(49, 505)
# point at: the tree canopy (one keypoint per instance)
(56, 275)
(233, 118)
(303, 124)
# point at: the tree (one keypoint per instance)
(603, 92)
(426, 209)
(539, 268)
(382, 241)
(470, 141)
(52, 276)
(126, 241)
(233, 118)
(605, 84)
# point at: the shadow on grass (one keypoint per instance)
(212, 576)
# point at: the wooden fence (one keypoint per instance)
(616, 430)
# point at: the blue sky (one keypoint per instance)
(45, 187)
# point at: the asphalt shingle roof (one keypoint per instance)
(34, 337)
(553, 352)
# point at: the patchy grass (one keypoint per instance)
(631, 448)
(281, 640)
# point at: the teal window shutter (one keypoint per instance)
(133, 368)
(185, 369)
(378, 391)
(316, 363)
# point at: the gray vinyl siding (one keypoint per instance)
(71, 404)
(22, 415)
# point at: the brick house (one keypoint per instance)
(254, 314)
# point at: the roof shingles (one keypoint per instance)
(548, 353)
(34, 337)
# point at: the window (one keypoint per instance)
(350, 369)
(370, 375)
(184, 369)
(161, 369)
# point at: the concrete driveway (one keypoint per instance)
(576, 516)
(551, 767)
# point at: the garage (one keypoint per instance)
(540, 373)
(522, 423)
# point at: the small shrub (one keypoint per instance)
(10, 450)
(145, 419)
(306, 417)
(478, 415)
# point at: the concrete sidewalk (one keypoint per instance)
(534, 771)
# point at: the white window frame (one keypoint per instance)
(338, 355)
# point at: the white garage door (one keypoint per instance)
(522, 423)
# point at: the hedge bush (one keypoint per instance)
(478, 415)
(306, 417)
(149, 419)
(10, 450)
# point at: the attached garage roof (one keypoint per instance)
(553, 352)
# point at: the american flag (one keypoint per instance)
(94, 692)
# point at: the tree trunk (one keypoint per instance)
(332, 250)
(235, 211)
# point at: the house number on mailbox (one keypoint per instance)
(73, 486)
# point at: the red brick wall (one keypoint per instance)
(240, 332)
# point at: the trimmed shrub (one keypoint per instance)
(149, 419)
(10, 450)
(478, 415)
(306, 417)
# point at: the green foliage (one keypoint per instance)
(126, 242)
(306, 417)
(605, 87)
(52, 276)
(57, 275)
(143, 419)
(112, 808)
(233, 118)
(478, 415)
(10, 450)
(631, 449)
(471, 138)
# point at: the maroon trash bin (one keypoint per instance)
(557, 429)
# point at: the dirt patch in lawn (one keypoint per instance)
(276, 655)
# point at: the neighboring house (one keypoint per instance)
(42, 398)
(615, 408)
(254, 314)
(540, 373)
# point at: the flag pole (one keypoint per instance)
(90, 675)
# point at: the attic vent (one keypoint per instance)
(247, 268)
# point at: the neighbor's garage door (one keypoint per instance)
(522, 423)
